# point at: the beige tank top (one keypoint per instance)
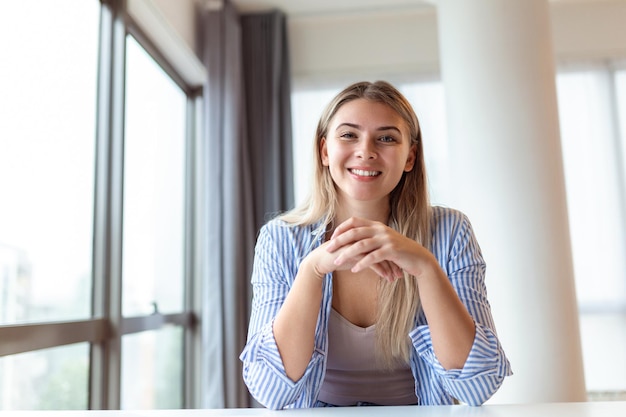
(353, 374)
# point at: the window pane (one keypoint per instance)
(47, 141)
(428, 101)
(154, 181)
(49, 379)
(593, 188)
(307, 107)
(603, 338)
(594, 195)
(620, 82)
(152, 369)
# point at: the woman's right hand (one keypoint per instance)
(323, 262)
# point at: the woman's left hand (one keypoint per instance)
(374, 243)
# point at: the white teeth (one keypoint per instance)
(365, 173)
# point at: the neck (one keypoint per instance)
(377, 211)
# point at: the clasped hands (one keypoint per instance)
(358, 244)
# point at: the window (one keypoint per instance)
(46, 379)
(154, 229)
(96, 145)
(47, 164)
(589, 100)
(47, 120)
(428, 101)
(307, 107)
(154, 187)
(157, 357)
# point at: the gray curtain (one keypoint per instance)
(248, 177)
(268, 106)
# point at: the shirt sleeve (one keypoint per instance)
(486, 365)
(263, 370)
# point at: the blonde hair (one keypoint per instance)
(398, 302)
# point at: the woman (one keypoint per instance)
(366, 294)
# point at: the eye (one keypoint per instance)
(347, 135)
(387, 139)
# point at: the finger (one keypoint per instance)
(389, 270)
(350, 236)
(393, 269)
(383, 270)
(351, 223)
(370, 253)
(397, 271)
(343, 262)
(346, 225)
(358, 249)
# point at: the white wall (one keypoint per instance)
(405, 42)
(589, 29)
(180, 14)
(361, 45)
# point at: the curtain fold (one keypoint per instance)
(248, 176)
(268, 105)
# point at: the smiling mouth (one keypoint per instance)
(363, 173)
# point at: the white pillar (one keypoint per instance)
(498, 70)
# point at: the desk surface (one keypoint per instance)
(588, 409)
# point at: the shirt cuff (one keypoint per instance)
(485, 358)
(263, 368)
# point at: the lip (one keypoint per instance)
(364, 172)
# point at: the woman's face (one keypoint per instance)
(367, 149)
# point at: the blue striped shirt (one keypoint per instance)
(280, 249)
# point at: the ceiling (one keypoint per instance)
(313, 7)
(318, 7)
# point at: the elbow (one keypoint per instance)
(482, 392)
(268, 401)
(268, 390)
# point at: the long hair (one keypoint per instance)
(398, 302)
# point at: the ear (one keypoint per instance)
(410, 160)
(324, 152)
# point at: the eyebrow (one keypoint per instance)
(359, 127)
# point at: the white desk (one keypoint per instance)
(589, 409)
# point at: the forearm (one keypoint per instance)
(451, 327)
(295, 323)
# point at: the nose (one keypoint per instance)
(366, 150)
